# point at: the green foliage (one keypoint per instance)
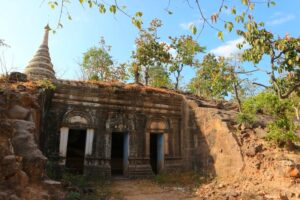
(282, 131)
(186, 49)
(267, 103)
(98, 64)
(46, 84)
(245, 118)
(214, 78)
(159, 77)
(283, 55)
(150, 53)
(73, 195)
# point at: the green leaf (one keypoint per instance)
(249, 26)
(245, 2)
(139, 14)
(69, 17)
(233, 10)
(229, 26)
(220, 35)
(193, 29)
(81, 1)
(137, 23)
(271, 3)
(251, 6)
(102, 8)
(90, 3)
(113, 9)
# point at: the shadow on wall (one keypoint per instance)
(215, 150)
(201, 160)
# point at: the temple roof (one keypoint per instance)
(40, 66)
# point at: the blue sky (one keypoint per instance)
(22, 22)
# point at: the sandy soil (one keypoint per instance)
(147, 190)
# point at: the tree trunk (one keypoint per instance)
(178, 76)
(146, 76)
(237, 96)
(136, 77)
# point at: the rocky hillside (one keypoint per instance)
(246, 165)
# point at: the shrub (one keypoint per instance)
(46, 84)
(282, 131)
(267, 103)
(73, 196)
(245, 118)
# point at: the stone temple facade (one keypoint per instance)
(101, 130)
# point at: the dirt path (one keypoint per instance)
(146, 190)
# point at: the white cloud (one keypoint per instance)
(280, 19)
(187, 25)
(228, 49)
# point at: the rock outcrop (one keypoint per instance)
(22, 164)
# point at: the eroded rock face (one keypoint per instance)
(219, 149)
(22, 164)
(34, 161)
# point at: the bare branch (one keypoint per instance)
(262, 85)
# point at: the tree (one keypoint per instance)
(214, 78)
(283, 54)
(295, 99)
(159, 77)
(149, 51)
(98, 64)
(186, 50)
(218, 78)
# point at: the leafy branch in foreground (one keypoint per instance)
(241, 15)
(102, 6)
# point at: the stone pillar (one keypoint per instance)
(89, 142)
(147, 146)
(63, 143)
(166, 143)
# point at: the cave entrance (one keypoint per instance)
(156, 152)
(75, 151)
(119, 153)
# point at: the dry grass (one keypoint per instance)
(130, 87)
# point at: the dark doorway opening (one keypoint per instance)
(154, 152)
(117, 153)
(75, 151)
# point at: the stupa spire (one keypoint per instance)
(40, 66)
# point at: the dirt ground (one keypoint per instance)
(147, 190)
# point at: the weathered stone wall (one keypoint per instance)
(116, 109)
(197, 137)
(213, 147)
